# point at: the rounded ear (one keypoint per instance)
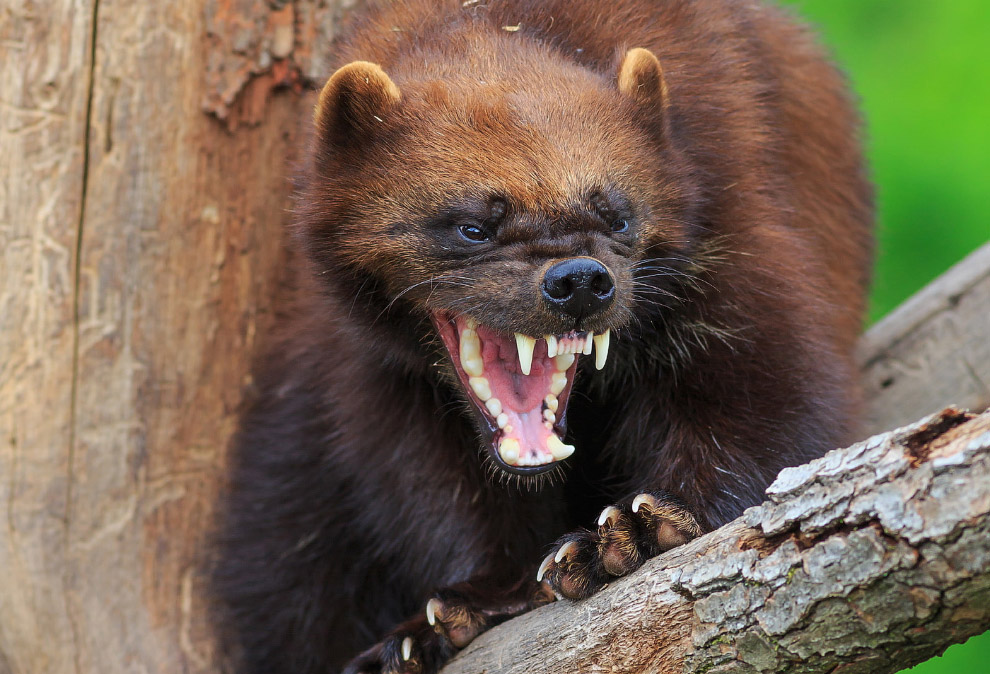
(355, 99)
(641, 78)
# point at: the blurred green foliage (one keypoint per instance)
(922, 71)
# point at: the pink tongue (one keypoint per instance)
(521, 396)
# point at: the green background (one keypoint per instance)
(922, 71)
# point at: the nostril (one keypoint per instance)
(559, 288)
(601, 284)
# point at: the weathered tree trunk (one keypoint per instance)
(140, 237)
(145, 149)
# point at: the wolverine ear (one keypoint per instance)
(354, 100)
(641, 78)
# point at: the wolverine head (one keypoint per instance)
(516, 214)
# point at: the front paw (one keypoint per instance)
(627, 535)
(413, 648)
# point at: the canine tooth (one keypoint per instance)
(563, 361)
(557, 447)
(588, 343)
(558, 380)
(549, 415)
(525, 346)
(481, 388)
(565, 549)
(508, 449)
(471, 323)
(552, 403)
(432, 608)
(610, 515)
(551, 345)
(601, 349)
(543, 567)
(494, 406)
(502, 420)
(406, 648)
(641, 499)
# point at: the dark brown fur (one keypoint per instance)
(358, 487)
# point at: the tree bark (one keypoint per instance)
(870, 559)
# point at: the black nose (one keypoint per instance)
(579, 287)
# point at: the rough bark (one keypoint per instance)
(870, 559)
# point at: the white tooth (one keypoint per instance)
(557, 447)
(588, 343)
(552, 403)
(548, 415)
(481, 388)
(548, 425)
(470, 352)
(509, 428)
(502, 420)
(471, 323)
(494, 406)
(551, 345)
(601, 349)
(475, 367)
(558, 380)
(525, 346)
(407, 648)
(508, 449)
(563, 361)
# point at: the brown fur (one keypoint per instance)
(358, 487)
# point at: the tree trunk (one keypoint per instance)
(143, 193)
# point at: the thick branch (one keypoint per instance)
(870, 559)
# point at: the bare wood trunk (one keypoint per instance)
(868, 560)
(140, 238)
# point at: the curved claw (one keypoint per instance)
(610, 515)
(648, 499)
(565, 549)
(433, 607)
(543, 567)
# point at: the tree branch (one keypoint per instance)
(870, 559)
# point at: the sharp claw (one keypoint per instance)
(641, 499)
(610, 515)
(432, 608)
(543, 567)
(407, 648)
(565, 549)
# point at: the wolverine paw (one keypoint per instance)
(413, 648)
(452, 619)
(627, 535)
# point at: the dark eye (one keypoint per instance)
(472, 233)
(620, 225)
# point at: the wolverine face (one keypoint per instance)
(522, 222)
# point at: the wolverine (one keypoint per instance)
(573, 280)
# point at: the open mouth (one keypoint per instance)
(520, 385)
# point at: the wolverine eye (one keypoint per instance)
(620, 225)
(472, 233)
